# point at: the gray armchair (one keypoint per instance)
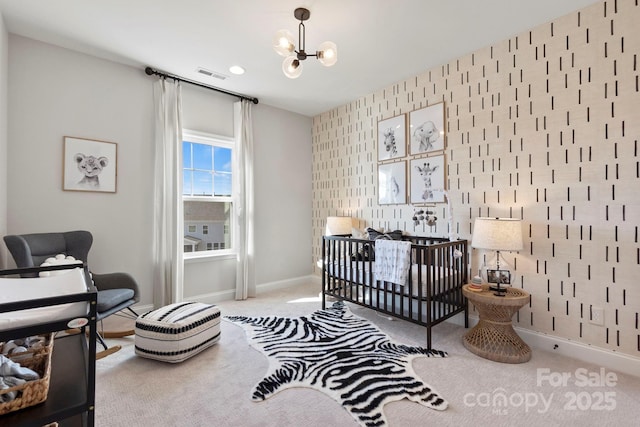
(116, 291)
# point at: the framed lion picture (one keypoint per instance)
(89, 165)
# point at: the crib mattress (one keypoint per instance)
(360, 272)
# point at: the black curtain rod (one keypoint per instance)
(150, 71)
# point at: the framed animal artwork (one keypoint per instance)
(427, 180)
(392, 183)
(426, 129)
(392, 138)
(89, 165)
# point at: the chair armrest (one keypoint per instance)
(107, 281)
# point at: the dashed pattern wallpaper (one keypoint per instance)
(544, 127)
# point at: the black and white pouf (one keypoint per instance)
(177, 331)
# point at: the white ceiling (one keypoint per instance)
(380, 42)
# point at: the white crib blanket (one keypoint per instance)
(393, 260)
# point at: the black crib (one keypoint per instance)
(439, 269)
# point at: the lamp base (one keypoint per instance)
(498, 291)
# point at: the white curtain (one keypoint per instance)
(243, 201)
(168, 236)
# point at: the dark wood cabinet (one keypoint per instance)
(71, 397)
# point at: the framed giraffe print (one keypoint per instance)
(89, 165)
(427, 180)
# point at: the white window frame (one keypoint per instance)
(220, 141)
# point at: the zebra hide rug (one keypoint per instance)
(341, 355)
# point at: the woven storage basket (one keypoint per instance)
(32, 392)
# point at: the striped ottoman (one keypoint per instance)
(178, 331)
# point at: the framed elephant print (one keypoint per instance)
(426, 129)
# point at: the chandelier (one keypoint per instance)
(327, 52)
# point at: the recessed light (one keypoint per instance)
(236, 69)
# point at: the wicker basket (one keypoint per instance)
(32, 392)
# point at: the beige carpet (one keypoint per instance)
(213, 388)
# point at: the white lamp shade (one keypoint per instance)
(292, 67)
(498, 234)
(338, 225)
(327, 53)
(283, 43)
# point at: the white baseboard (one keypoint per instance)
(281, 284)
(612, 360)
(213, 297)
(230, 294)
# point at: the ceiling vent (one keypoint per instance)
(212, 74)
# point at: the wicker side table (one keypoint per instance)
(493, 337)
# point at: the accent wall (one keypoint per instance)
(543, 127)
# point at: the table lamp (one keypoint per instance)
(497, 234)
(338, 226)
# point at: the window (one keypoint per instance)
(207, 193)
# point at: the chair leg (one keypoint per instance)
(101, 340)
(125, 333)
(107, 350)
(121, 334)
(99, 354)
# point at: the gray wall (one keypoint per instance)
(282, 149)
(283, 194)
(55, 92)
